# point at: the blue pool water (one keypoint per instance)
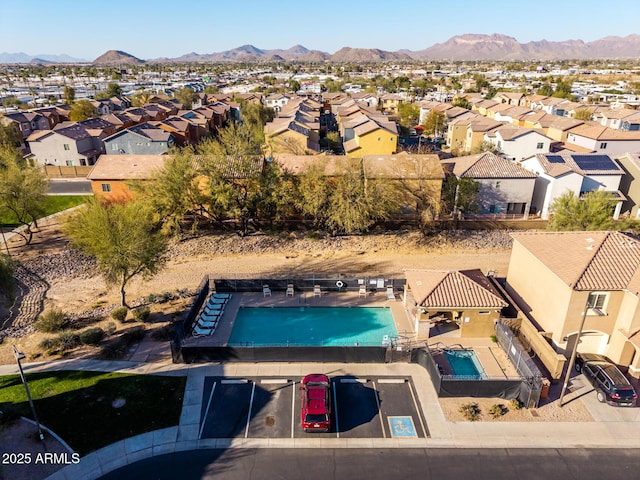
(465, 363)
(312, 326)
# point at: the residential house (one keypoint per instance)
(467, 133)
(562, 278)
(631, 123)
(141, 139)
(518, 143)
(369, 135)
(365, 98)
(604, 140)
(513, 115)
(509, 98)
(462, 298)
(482, 106)
(560, 127)
(120, 120)
(563, 172)
(67, 145)
(255, 98)
(182, 130)
(25, 123)
(112, 175)
(630, 184)
(389, 102)
(505, 187)
(103, 107)
(277, 101)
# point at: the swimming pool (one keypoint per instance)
(312, 326)
(465, 363)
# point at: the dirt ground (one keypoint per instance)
(383, 255)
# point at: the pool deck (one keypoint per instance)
(222, 333)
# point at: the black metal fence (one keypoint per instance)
(525, 366)
(184, 326)
(327, 284)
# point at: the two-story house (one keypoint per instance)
(518, 143)
(142, 139)
(71, 145)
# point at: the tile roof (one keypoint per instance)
(453, 289)
(486, 165)
(126, 167)
(298, 164)
(587, 260)
(402, 165)
(598, 132)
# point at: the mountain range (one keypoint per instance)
(459, 47)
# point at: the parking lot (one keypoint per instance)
(261, 407)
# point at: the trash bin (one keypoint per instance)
(544, 393)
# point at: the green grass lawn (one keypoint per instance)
(77, 405)
(52, 204)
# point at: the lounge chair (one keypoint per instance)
(362, 291)
(266, 291)
(217, 301)
(290, 291)
(213, 308)
(199, 331)
(390, 294)
(316, 291)
(209, 317)
(226, 296)
(201, 322)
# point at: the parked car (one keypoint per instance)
(315, 411)
(609, 382)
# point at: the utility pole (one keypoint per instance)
(574, 351)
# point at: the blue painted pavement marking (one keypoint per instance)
(402, 427)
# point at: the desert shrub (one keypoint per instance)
(119, 313)
(51, 321)
(68, 340)
(497, 410)
(111, 328)
(471, 411)
(91, 336)
(118, 347)
(48, 344)
(515, 404)
(141, 314)
(98, 304)
(152, 298)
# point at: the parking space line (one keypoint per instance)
(206, 412)
(253, 389)
(392, 380)
(233, 381)
(274, 381)
(335, 408)
(415, 404)
(353, 380)
(375, 393)
(293, 407)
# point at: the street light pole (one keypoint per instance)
(20, 356)
(574, 351)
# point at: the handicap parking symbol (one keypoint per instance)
(402, 427)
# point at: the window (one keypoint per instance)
(106, 187)
(69, 163)
(114, 146)
(498, 185)
(540, 146)
(66, 146)
(598, 302)
(603, 145)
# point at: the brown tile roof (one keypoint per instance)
(487, 165)
(453, 289)
(598, 132)
(126, 167)
(587, 260)
(298, 164)
(403, 165)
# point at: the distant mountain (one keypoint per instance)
(250, 53)
(348, 54)
(117, 57)
(503, 47)
(40, 58)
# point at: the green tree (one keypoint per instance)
(591, 211)
(186, 96)
(461, 102)
(82, 110)
(9, 136)
(546, 90)
(459, 195)
(114, 90)
(485, 146)
(22, 190)
(294, 85)
(409, 114)
(141, 98)
(434, 123)
(583, 114)
(7, 280)
(69, 94)
(124, 239)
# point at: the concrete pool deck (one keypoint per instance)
(222, 333)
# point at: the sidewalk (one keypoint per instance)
(609, 432)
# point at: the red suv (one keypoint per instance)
(315, 412)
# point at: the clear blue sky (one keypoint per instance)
(162, 28)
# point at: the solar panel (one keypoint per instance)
(555, 159)
(594, 162)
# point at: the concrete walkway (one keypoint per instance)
(609, 432)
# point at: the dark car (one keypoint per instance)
(315, 412)
(610, 384)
